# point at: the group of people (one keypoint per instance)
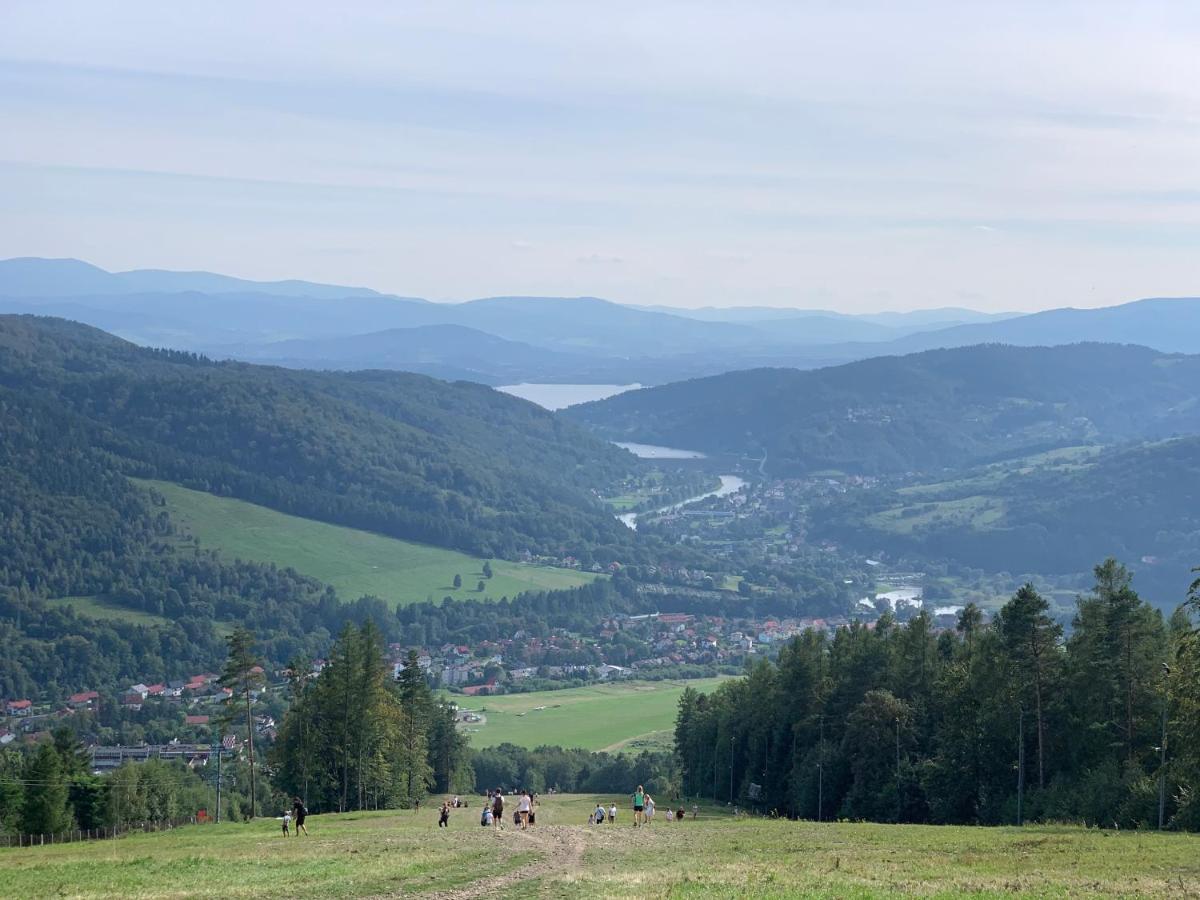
(643, 811)
(296, 815)
(524, 815)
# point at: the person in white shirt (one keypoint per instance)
(649, 809)
(612, 814)
(523, 807)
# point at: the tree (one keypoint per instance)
(45, 809)
(457, 582)
(242, 675)
(487, 569)
(481, 587)
(412, 741)
(1031, 644)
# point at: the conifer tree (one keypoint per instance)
(243, 675)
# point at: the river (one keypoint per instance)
(730, 484)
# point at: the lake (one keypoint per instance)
(560, 396)
(652, 451)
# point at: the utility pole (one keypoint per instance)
(1021, 765)
(731, 769)
(821, 773)
(899, 798)
(219, 747)
(1162, 751)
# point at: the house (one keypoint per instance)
(84, 699)
(19, 707)
(156, 690)
(607, 671)
(133, 700)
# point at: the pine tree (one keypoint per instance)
(242, 675)
(412, 742)
(45, 810)
(1031, 643)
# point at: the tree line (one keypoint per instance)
(985, 724)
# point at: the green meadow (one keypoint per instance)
(404, 854)
(625, 715)
(355, 563)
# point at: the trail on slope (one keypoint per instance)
(561, 848)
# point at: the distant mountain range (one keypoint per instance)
(925, 412)
(501, 340)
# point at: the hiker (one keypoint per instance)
(599, 814)
(299, 814)
(286, 819)
(591, 818)
(524, 805)
(695, 811)
(444, 817)
(649, 809)
(612, 814)
(498, 809)
(639, 805)
(680, 815)
(670, 814)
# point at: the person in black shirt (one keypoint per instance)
(299, 813)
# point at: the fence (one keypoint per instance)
(92, 834)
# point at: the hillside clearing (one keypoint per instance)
(607, 716)
(395, 854)
(356, 563)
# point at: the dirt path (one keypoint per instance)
(561, 848)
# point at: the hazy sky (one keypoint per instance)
(848, 155)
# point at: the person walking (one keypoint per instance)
(639, 805)
(649, 809)
(523, 807)
(612, 814)
(498, 809)
(299, 814)
(444, 816)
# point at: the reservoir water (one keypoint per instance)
(560, 396)
(652, 451)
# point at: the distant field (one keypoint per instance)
(95, 608)
(392, 854)
(628, 715)
(355, 562)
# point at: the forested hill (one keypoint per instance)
(924, 412)
(456, 465)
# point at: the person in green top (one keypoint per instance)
(639, 806)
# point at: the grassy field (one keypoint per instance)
(405, 854)
(95, 608)
(628, 715)
(355, 562)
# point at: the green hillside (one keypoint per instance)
(714, 855)
(622, 716)
(926, 412)
(356, 563)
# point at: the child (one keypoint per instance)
(286, 819)
(444, 818)
(670, 814)
(612, 814)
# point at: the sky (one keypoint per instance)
(848, 155)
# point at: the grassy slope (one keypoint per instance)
(713, 856)
(95, 608)
(354, 562)
(629, 714)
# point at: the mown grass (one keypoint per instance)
(611, 716)
(405, 854)
(353, 855)
(355, 562)
(95, 608)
